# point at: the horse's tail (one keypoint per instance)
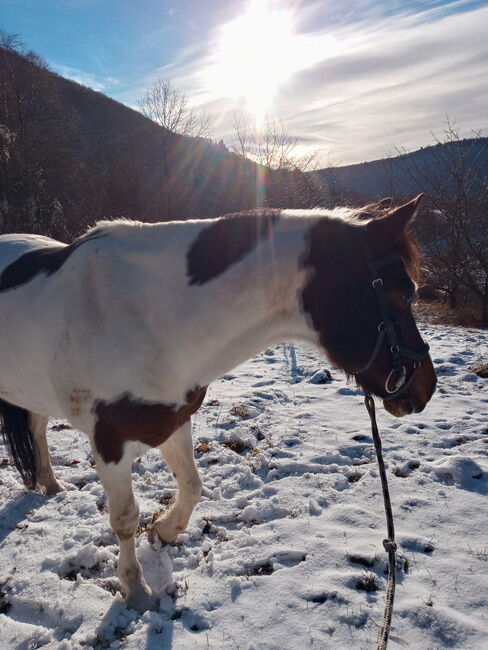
(17, 436)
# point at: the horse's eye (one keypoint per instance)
(407, 299)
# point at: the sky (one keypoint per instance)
(354, 80)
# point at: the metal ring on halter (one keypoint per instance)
(381, 326)
(399, 383)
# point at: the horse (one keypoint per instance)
(121, 331)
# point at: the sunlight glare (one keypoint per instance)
(256, 52)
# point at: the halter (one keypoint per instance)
(387, 329)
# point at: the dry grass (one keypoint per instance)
(203, 447)
(236, 445)
(480, 369)
(440, 313)
(241, 411)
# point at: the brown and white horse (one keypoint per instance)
(121, 332)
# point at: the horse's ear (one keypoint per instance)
(392, 226)
(385, 204)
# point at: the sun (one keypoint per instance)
(254, 54)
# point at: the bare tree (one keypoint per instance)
(271, 145)
(273, 148)
(454, 228)
(169, 107)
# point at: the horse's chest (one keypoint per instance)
(128, 419)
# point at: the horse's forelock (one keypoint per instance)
(410, 252)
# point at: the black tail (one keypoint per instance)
(17, 436)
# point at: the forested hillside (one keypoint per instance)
(70, 156)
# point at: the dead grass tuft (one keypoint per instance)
(241, 411)
(203, 447)
(236, 445)
(480, 369)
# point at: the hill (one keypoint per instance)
(70, 155)
(407, 173)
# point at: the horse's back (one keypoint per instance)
(13, 246)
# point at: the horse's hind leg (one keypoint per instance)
(45, 474)
(124, 517)
(178, 454)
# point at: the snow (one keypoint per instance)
(285, 547)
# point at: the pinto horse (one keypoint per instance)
(121, 332)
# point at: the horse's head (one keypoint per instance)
(359, 298)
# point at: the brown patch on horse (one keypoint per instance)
(41, 260)
(335, 296)
(338, 298)
(129, 419)
(226, 241)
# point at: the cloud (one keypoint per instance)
(390, 81)
(85, 78)
(372, 75)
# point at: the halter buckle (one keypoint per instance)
(378, 282)
(402, 375)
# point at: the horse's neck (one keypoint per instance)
(252, 305)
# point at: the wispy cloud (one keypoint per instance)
(85, 78)
(372, 75)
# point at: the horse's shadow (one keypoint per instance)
(159, 627)
(16, 510)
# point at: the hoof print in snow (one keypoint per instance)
(416, 545)
(363, 561)
(5, 588)
(406, 469)
(324, 597)
(193, 621)
(361, 437)
(263, 569)
(354, 477)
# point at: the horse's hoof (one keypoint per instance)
(166, 535)
(53, 488)
(142, 601)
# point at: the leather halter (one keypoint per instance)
(387, 330)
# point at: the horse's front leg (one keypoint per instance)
(177, 451)
(124, 518)
(44, 469)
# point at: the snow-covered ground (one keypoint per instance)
(285, 548)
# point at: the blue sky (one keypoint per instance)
(355, 79)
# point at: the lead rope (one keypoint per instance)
(389, 543)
